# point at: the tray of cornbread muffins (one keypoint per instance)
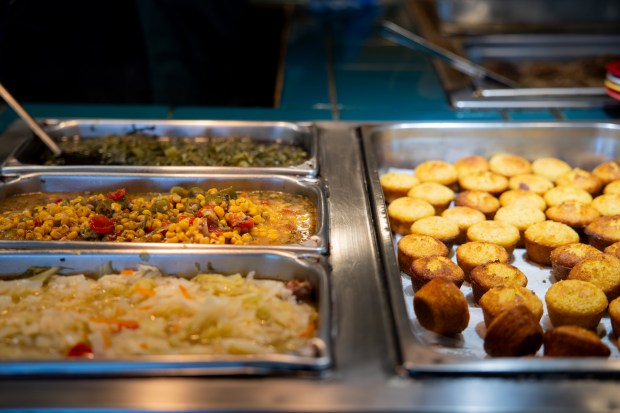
(499, 244)
(184, 146)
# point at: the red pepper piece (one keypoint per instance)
(101, 224)
(116, 195)
(81, 349)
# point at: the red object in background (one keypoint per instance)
(614, 68)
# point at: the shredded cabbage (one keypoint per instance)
(143, 312)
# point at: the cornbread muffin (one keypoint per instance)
(513, 333)
(464, 217)
(495, 274)
(560, 194)
(520, 217)
(603, 231)
(397, 184)
(550, 168)
(486, 181)
(499, 299)
(607, 171)
(580, 178)
(438, 195)
(469, 164)
(575, 214)
(614, 316)
(441, 307)
(495, 232)
(612, 187)
(439, 228)
(613, 249)
(565, 257)
(413, 246)
(472, 254)
(543, 237)
(522, 198)
(573, 341)
(575, 302)
(425, 269)
(437, 171)
(480, 200)
(607, 204)
(602, 271)
(530, 182)
(509, 165)
(402, 212)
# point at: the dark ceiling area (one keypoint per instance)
(205, 53)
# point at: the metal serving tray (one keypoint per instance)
(133, 182)
(466, 93)
(403, 147)
(501, 16)
(26, 147)
(275, 265)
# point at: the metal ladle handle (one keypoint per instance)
(30, 121)
(404, 37)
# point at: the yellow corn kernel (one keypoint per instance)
(183, 225)
(30, 235)
(119, 228)
(140, 233)
(157, 237)
(55, 234)
(172, 240)
(219, 211)
(228, 234)
(180, 207)
(72, 235)
(170, 234)
(212, 191)
(200, 197)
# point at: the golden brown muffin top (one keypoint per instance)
(495, 274)
(570, 254)
(437, 266)
(550, 168)
(509, 165)
(469, 164)
(573, 341)
(520, 217)
(436, 171)
(407, 208)
(399, 181)
(531, 182)
(559, 194)
(438, 227)
(477, 252)
(607, 204)
(607, 227)
(550, 233)
(613, 249)
(432, 192)
(522, 198)
(580, 178)
(418, 246)
(499, 299)
(602, 271)
(607, 171)
(614, 309)
(480, 200)
(463, 216)
(573, 213)
(576, 297)
(484, 181)
(496, 232)
(612, 187)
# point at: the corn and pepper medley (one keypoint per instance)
(184, 215)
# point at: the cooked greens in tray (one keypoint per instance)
(141, 149)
